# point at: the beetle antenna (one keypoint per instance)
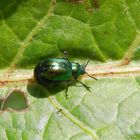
(86, 63)
(87, 73)
(91, 76)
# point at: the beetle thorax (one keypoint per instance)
(77, 69)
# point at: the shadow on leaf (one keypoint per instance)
(8, 7)
(40, 91)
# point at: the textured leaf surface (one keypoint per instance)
(107, 32)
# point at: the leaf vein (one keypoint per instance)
(34, 31)
(66, 113)
(8, 27)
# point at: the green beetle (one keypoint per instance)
(56, 70)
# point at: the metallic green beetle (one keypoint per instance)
(56, 70)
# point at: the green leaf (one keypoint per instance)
(107, 33)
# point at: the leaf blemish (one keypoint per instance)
(76, 1)
(90, 10)
(96, 4)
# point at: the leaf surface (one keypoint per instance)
(105, 31)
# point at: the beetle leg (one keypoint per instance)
(88, 88)
(67, 89)
(65, 54)
(60, 110)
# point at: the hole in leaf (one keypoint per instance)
(16, 100)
